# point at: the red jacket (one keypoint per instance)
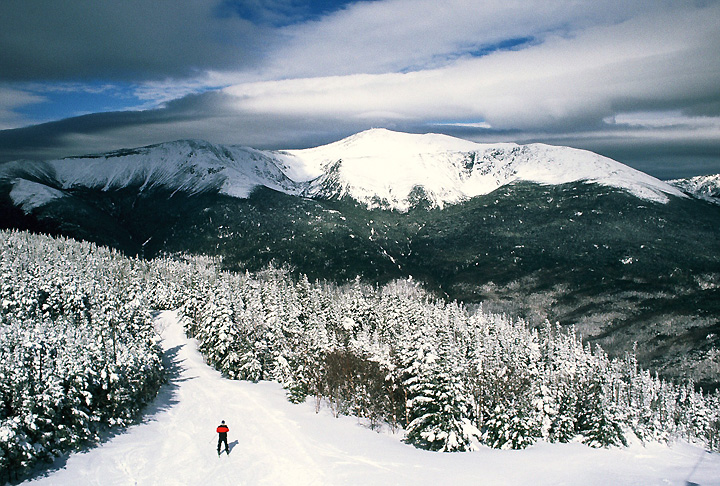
(223, 429)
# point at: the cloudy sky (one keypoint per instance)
(636, 80)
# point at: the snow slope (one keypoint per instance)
(276, 443)
(191, 166)
(703, 187)
(377, 167)
(382, 165)
(30, 195)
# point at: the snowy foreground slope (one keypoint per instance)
(277, 443)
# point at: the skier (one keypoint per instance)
(222, 431)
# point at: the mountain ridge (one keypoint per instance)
(377, 167)
(381, 168)
(706, 187)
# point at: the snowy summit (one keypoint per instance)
(378, 167)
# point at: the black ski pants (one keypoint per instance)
(222, 438)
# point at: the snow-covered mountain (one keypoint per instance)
(378, 167)
(382, 167)
(190, 166)
(571, 244)
(702, 187)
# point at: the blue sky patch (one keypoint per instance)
(504, 45)
(64, 100)
(280, 13)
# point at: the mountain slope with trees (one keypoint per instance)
(621, 268)
(273, 441)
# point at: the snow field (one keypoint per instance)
(274, 442)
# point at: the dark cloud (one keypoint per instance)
(704, 107)
(127, 40)
(663, 159)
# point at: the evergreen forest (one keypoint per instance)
(79, 356)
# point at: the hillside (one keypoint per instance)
(703, 187)
(535, 231)
(275, 442)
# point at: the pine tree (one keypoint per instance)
(439, 408)
(598, 418)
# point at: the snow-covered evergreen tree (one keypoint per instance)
(439, 409)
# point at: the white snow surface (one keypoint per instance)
(274, 442)
(30, 195)
(187, 165)
(383, 165)
(703, 187)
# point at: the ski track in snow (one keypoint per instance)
(274, 442)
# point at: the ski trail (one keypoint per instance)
(176, 443)
(274, 442)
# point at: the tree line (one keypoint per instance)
(78, 352)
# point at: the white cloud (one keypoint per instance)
(483, 125)
(10, 100)
(661, 59)
(665, 120)
(70, 87)
(401, 35)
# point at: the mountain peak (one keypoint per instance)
(381, 141)
(383, 168)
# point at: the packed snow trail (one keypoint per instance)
(274, 442)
